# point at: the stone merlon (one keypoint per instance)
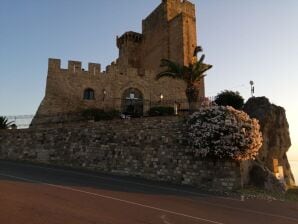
(73, 67)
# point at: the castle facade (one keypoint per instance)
(168, 32)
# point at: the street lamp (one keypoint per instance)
(252, 88)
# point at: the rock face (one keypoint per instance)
(275, 130)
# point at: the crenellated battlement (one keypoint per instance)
(169, 32)
(177, 7)
(177, 2)
(73, 67)
(165, 12)
(54, 64)
(129, 37)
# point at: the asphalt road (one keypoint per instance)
(32, 194)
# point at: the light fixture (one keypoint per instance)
(161, 96)
(104, 94)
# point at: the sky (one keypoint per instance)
(244, 40)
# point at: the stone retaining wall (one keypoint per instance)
(151, 148)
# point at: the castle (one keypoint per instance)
(168, 32)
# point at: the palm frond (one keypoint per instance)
(4, 124)
(201, 59)
(173, 69)
(171, 65)
(166, 74)
(206, 68)
(190, 74)
(197, 50)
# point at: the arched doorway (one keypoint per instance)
(132, 102)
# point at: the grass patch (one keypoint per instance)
(292, 194)
(258, 193)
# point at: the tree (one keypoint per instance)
(4, 124)
(230, 98)
(191, 75)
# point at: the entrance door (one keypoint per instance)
(132, 102)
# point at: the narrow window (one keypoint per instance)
(89, 94)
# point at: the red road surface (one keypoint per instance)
(32, 194)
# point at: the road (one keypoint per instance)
(32, 194)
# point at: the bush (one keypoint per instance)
(230, 98)
(99, 115)
(223, 132)
(161, 111)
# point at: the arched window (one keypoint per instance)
(89, 94)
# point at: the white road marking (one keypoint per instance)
(245, 210)
(131, 182)
(172, 189)
(164, 219)
(113, 198)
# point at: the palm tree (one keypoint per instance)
(191, 75)
(4, 124)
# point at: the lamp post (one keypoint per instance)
(252, 88)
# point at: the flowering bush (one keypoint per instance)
(223, 132)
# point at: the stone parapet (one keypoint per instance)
(151, 148)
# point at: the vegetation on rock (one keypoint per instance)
(230, 98)
(224, 133)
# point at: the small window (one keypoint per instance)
(89, 94)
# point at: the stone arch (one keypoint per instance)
(132, 102)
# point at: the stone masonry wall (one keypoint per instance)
(151, 148)
(168, 32)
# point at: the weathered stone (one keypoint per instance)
(171, 163)
(169, 32)
(275, 131)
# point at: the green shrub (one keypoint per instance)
(99, 114)
(230, 98)
(161, 111)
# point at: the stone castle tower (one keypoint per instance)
(168, 32)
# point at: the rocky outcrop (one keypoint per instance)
(276, 137)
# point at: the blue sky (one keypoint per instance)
(244, 40)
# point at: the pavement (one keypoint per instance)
(38, 194)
